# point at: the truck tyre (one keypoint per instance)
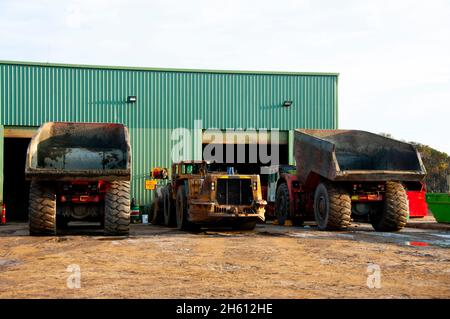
(394, 214)
(117, 208)
(155, 213)
(42, 209)
(169, 216)
(282, 203)
(181, 210)
(245, 225)
(332, 207)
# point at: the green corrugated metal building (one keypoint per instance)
(33, 93)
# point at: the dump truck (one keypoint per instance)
(342, 175)
(197, 196)
(79, 172)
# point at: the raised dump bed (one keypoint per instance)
(352, 155)
(67, 151)
(439, 204)
(352, 174)
(79, 171)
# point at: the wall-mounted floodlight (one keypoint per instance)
(131, 99)
(287, 103)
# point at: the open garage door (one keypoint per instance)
(245, 150)
(15, 188)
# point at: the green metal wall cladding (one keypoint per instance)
(33, 93)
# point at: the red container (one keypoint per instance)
(417, 204)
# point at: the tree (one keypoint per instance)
(437, 165)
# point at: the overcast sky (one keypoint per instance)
(393, 56)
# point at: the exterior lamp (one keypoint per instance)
(287, 103)
(131, 99)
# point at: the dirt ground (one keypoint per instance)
(270, 262)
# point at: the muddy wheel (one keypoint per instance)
(282, 204)
(393, 216)
(332, 207)
(181, 210)
(245, 225)
(117, 208)
(42, 209)
(155, 213)
(169, 216)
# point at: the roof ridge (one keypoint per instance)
(155, 69)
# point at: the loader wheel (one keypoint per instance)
(245, 225)
(181, 210)
(155, 213)
(282, 204)
(332, 207)
(117, 208)
(169, 216)
(42, 209)
(393, 216)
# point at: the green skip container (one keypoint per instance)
(439, 204)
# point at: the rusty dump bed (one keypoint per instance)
(351, 155)
(88, 151)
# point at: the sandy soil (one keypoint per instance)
(270, 262)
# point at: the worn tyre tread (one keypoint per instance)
(117, 208)
(42, 209)
(395, 210)
(169, 215)
(184, 224)
(283, 191)
(340, 208)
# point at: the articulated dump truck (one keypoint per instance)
(342, 175)
(198, 196)
(79, 172)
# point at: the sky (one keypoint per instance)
(393, 56)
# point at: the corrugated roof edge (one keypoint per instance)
(133, 68)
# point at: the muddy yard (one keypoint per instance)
(270, 262)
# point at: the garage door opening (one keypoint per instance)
(16, 188)
(245, 151)
(249, 166)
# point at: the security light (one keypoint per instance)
(131, 99)
(287, 103)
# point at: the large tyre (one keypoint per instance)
(394, 214)
(332, 207)
(182, 210)
(42, 209)
(282, 204)
(117, 208)
(169, 215)
(245, 225)
(156, 214)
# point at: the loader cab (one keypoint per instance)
(186, 169)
